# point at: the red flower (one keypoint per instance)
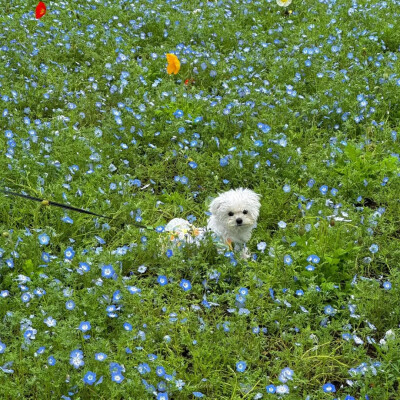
(40, 10)
(189, 81)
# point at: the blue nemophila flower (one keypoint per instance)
(69, 253)
(115, 367)
(179, 384)
(185, 285)
(159, 229)
(374, 248)
(311, 183)
(127, 326)
(169, 253)
(117, 377)
(133, 289)
(76, 358)
(348, 397)
(6, 368)
(83, 268)
(197, 394)
(44, 239)
(142, 269)
(286, 374)
(107, 271)
(160, 371)
(46, 257)
(99, 239)
(282, 224)
(162, 396)
(89, 378)
(329, 310)
(51, 361)
(310, 268)
(152, 357)
(240, 299)
(117, 296)
(299, 292)
(70, 305)
(178, 114)
(241, 366)
(323, 189)
(329, 388)
(143, 368)
(286, 188)
(39, 292)
(270, 389)
(162, 280)
(263, 127)
(224, 161)
(85, 326)
(67, 220)
(167, 338)
(313, 259)
(261, 246)
(100, 356)
(346, 336)
(50, 322)
(282, 389)
(243, 291)
(2, 347)
(111, 311)
(287, 259)
(30, 334)
(387, 285)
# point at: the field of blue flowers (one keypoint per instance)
(297, 100)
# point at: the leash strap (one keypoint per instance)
(65, 206)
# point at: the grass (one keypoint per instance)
(90, 117)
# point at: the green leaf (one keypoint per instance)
(28, 267)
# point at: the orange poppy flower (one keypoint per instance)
(174, 64)
(40, 10)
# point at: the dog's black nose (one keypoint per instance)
(239, 221)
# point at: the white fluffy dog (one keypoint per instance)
(234, 215)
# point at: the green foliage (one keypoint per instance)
(58, 68)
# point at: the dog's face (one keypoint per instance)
(236, 209)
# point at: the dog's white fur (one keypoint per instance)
(234, 215)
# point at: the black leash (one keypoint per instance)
(67, 207)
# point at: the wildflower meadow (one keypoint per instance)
(143, 111)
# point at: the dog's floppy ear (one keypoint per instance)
(216, 205)
(257, 198)
(254, 197)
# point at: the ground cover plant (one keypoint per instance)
(299, 102)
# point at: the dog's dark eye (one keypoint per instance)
(230, 213)
(244, 211)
